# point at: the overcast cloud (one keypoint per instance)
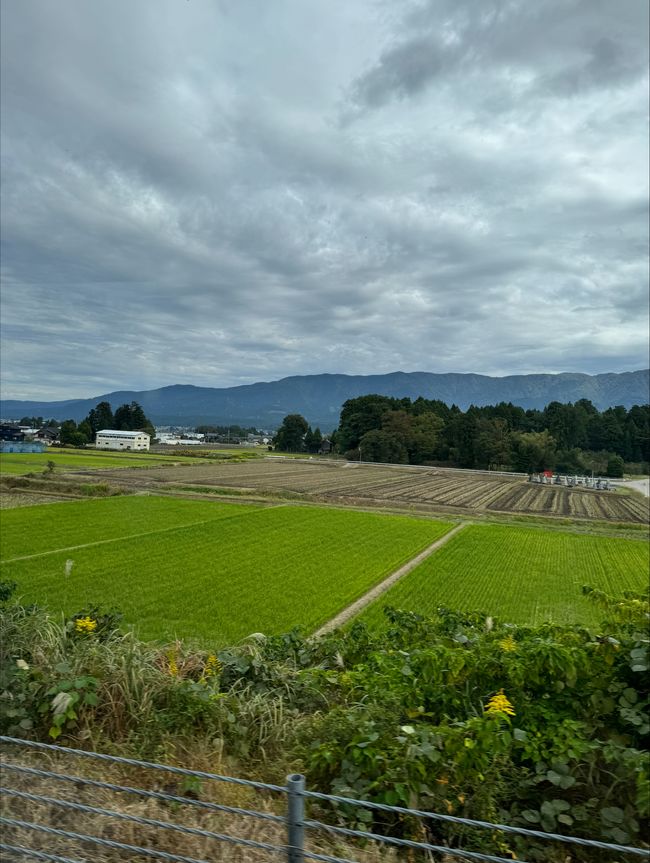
(219, 192)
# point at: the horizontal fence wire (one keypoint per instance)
(469, 822)
(410, 843)
(37, 855)
(308, 823)
(137, 819)
(141, 792)
(123, 846)
(133, 762)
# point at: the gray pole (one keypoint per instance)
(295, 818)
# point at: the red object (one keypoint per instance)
(548, 473)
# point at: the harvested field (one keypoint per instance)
(11, 500)
(420, 488)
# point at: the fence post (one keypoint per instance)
(295, 818)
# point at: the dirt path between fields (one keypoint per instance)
(352, 610)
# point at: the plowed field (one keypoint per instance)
(431, 489)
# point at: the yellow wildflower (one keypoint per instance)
(212, 666)
(85, 624)
(499, 703)
(172, 665)
(508, 644)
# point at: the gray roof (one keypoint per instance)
(121, 432)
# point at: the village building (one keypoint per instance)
(118, 439)
(10, 432)
(48, 434)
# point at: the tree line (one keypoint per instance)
(570, 438)
(127, 417)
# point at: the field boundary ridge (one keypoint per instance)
(352, 610)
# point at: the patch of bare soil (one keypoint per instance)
(10, 500)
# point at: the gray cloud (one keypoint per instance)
(218, 193)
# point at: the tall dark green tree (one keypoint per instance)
(362, 415)
(100, 417)
(382, 446)
(131, 417)
(70, 435)
(313, 440)
(534, 451)
(290, 436)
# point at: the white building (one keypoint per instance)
(115, 439)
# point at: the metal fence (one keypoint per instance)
(296, 827)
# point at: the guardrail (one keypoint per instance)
(296, 826)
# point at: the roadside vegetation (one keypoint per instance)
(458, 713)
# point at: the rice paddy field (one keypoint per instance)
(432, 489)
(212, 571)
(519, 575)
(17, 464)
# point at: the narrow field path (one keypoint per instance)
(352, 610)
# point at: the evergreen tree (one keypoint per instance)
(290, 436)
(100, 417)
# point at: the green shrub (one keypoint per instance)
(543, 727)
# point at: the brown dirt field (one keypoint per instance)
(425, 489)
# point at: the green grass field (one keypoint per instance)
(519, 575)
(213, 571)
(17, 463)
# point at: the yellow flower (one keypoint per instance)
(212, 666)
(499, 703)
(172, 665)
(85, 624)
(508, 644)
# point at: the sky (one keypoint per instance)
(218, 192)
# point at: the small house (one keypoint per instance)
(48, 434)
(11, 432)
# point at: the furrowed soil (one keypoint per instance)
(434, 490)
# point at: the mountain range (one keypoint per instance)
(319, 397)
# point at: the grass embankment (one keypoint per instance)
(519, 575)
(213, 571)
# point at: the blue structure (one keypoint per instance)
(22, 446)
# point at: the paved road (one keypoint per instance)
(642, 485)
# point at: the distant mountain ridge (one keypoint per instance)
(319, 397)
